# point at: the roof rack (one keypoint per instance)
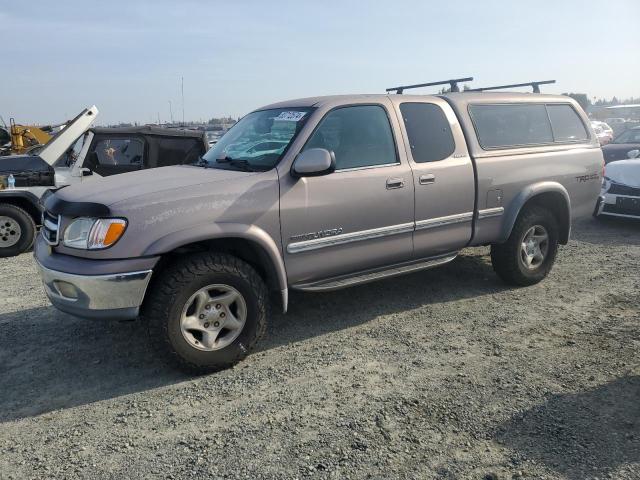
(534, 85)
(453, 83)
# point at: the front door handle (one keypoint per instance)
(395, 183)
(427, 179)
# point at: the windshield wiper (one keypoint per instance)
(201, 163)
(236, 162)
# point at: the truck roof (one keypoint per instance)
(148, 130)
(457, 98)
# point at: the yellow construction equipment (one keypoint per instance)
(25, 137)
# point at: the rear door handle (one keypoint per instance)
(427, 179)
(395, 183)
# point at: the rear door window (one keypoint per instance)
(428, 131)
(566, 124)
(511, 125)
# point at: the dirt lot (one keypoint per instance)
(445, 374)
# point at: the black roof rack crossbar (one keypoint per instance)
(534, 85)
(453, 83)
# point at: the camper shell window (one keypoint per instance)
(526, 124)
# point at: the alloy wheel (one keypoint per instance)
(213, 317)
(534, 247)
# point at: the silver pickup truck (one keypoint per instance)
(317, 194)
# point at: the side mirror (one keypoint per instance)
(313, 163)
(633, 154)
(86, 172)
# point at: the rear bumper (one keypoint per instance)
(116, 296)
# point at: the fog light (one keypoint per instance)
(66, 289)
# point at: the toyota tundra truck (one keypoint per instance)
(318, 194)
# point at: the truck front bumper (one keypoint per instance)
(115, 296)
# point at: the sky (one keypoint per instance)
(128, 57)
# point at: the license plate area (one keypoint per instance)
(630, 205)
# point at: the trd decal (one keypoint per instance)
(587, 178)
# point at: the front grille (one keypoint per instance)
(50, 228)
(623, 206)
(618, 189)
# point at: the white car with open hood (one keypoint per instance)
(620, 195)
(77, 154)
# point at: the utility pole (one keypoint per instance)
(170, 112)
(182, 90)
(158, 118)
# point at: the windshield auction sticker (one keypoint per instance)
(291, 116)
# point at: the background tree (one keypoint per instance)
(581, 98)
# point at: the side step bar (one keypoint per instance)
(367, 276)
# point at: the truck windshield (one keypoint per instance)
(258, 141)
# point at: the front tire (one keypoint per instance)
(206, 312)
(17, 230)
(528, 255)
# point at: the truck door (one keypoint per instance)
(358, 217)
(443, 176)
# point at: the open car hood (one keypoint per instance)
(64, 139)
(626, 172)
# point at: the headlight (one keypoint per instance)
(94, 233)
(606, 183)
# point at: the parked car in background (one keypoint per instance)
(80, 154)
(603, 131)
(620, 195)
(617, 124)
(620, 146)
(318, 194)
(213, 136)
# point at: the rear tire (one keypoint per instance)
(200, 340)
(17, 230)
(530, 252)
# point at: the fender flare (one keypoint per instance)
(514, 209)
(215, 231)
(22, 194)
(34, 201)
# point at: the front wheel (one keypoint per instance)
(17, 230)
(206, 312)
(530, 251)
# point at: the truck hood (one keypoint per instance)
(146, 185)
(62, 141)
(170, 206)
(626, 172)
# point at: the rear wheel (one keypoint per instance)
(17, 230)
(206, 312)
(530, 252)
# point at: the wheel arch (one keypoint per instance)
(550, 195)
(247, 242)
(26, 201)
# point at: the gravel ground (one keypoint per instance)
(443, 374)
